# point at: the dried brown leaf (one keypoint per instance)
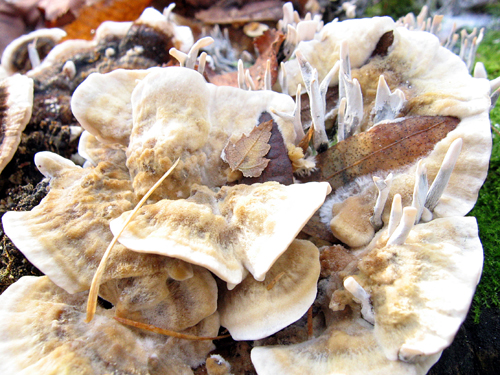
(227, 12)
(384, 147)
(247, 153)
(280, 167)
(304, 143)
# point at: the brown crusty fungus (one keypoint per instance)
(257, 309)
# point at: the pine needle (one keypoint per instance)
(96, 281)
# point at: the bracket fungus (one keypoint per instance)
(249, 310)
(239, 229)
(397, 148)
(43, 331)
(16, 94)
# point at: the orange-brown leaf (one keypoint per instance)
(384, 147)
(247, 153)
(90, 17)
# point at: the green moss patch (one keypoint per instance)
(487, 209)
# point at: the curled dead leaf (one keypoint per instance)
(247, 153)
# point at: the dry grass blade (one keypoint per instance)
(166, 332)
(96, 281)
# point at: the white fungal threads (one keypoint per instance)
(245, 81)
(33, 54)
(396, 214)
(384, 187)
(295, 117)
(69, 69)
(297, 30)
(364, 298)
(267, 76)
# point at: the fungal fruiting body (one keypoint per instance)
(234, 229)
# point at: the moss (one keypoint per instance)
(487, 209)
(393, 8)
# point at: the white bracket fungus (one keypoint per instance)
(8, 56)
(257, 309)
(43, 331)
(16, 96)
(241, 228)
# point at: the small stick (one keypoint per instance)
(275, 280)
